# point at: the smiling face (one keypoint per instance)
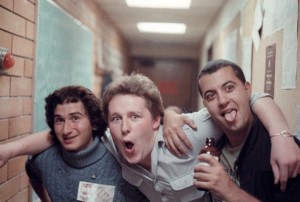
(133, 128)
(227, 100)
(72, 126)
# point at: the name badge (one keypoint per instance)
(91, 192)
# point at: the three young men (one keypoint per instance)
(133, 109)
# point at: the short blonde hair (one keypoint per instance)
(135, 84)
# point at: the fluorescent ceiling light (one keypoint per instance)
(172, 4)
(164, 28)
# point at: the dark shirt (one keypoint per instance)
(254, 170)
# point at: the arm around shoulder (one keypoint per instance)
(175, 138)
(31, 144)
(285, 153)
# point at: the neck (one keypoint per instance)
(146, 163)
(237, 137)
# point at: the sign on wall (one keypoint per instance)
(270, 69)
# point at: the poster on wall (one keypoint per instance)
(270, 69)
(229, 47)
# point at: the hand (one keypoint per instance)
(285, 159)
(214, 178)
(176, 139)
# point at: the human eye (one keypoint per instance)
(58, 120)
(115, 119)
(134, 117)
(209, 96)
(229, 88)
(75, 118)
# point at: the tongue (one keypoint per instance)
(230, 116)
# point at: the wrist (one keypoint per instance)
(173, 109)
(283, 133)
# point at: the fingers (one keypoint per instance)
(176, 140)
(285, 160)
(211, 175)
(202, 176)
(275, 171)
(189, 122)
(296, 171)
(202, 180)
(297, 168)
(211, 160)
(283, 181)
(182, 138)
(173, 149)
(178, 145)
(280, 175)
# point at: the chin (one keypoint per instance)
(131, 161)
(70, 148)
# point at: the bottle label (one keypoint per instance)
(203, 163)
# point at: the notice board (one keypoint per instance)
(64, 55)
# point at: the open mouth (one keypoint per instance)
(230, 115)
(128, 145)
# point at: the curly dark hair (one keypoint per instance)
(74, 94)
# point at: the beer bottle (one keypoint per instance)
(210, 149)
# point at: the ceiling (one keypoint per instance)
(197, 19)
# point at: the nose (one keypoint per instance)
(223, 99)
(67, 127)
(125, 127)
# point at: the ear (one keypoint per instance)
(94, 127)
(156, 123)
(248, 88)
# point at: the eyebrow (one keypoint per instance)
(224, 84)
(227, 82)
(71, 114)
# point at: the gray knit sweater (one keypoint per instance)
(61, 171)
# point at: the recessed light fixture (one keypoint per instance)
(171, 4)
(164, 28)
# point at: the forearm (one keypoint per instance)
(30, 144)
(270, 115)
(173, 110)
(285, 154)
(237, 195)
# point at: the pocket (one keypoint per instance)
(185, 188)
(183, 182)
